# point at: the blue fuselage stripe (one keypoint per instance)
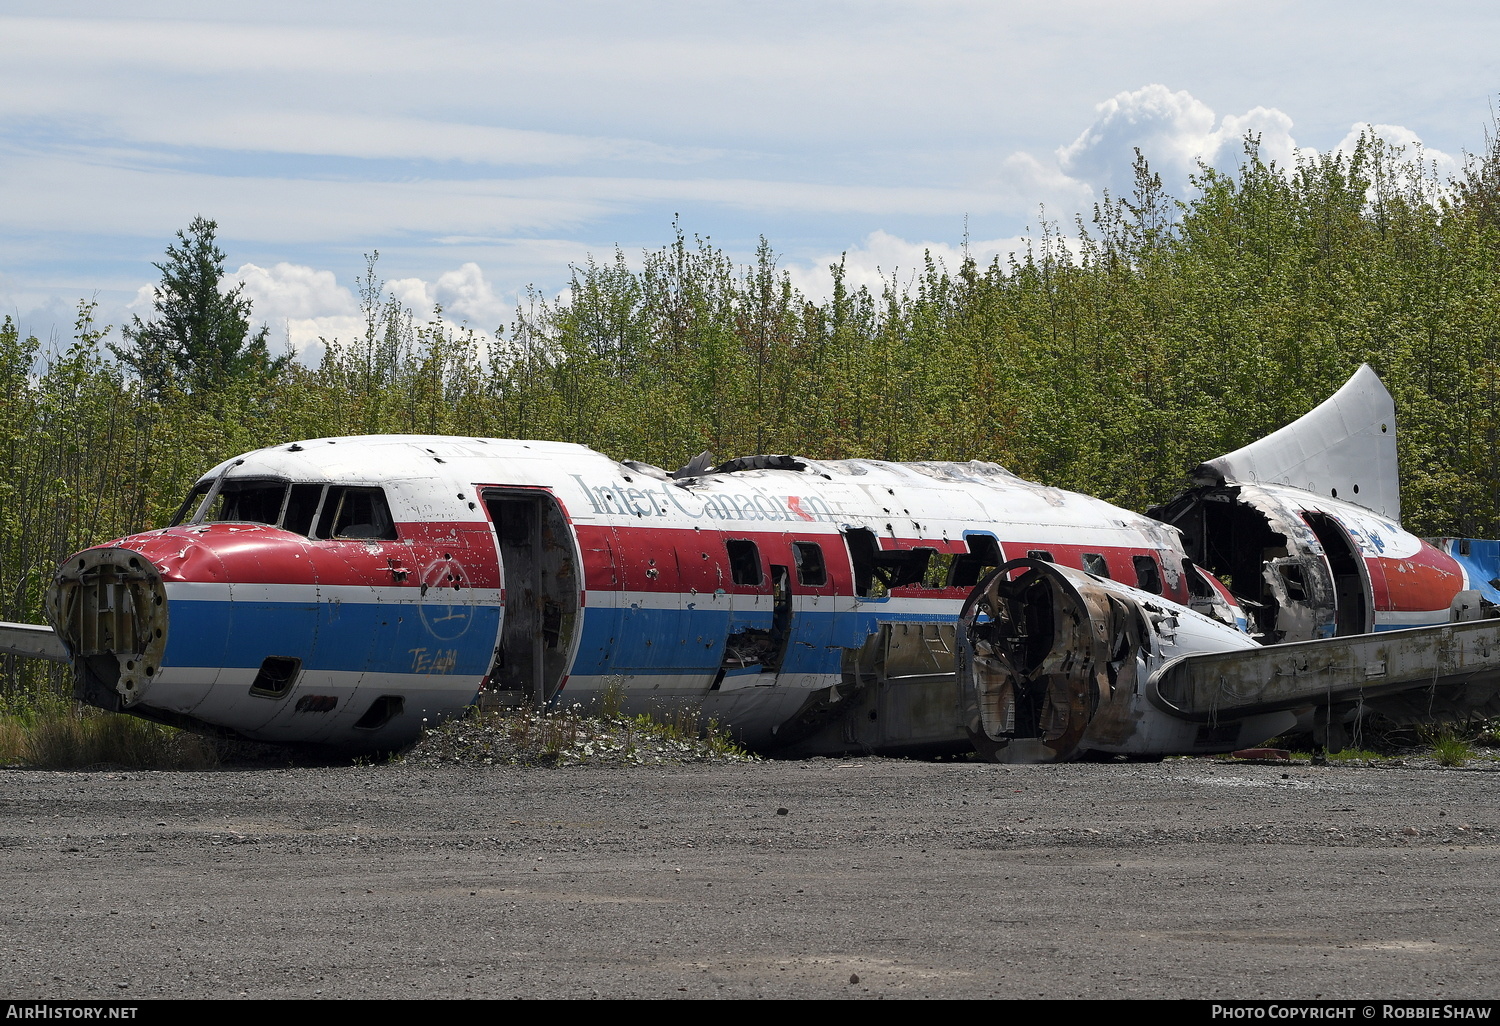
(348, 636)
(397, 638)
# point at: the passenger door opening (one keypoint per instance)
(1350, 578)
(539, 569)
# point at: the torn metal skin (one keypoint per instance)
(1056, 664)
(897, 695)
(1270, 557)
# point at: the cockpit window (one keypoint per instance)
(245, 501)
(249, 502)
(191, 503)
(339, 511)
(301, 507)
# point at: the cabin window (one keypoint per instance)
(1198, 586)
(1147, 576)
(1094, 563)
(877, 571)
(982, 557)
(277, 673)
(903, 568)
(356, 513)
(381, 711)
(811, 571)
(744, 562)
(1296, 586)
(317, 703)
(1041, 554)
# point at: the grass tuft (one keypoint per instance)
(1356, 755)
(1449, 744)
(1449, 747)
(57, 733)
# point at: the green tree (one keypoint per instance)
(200, 337)
(1478, 190)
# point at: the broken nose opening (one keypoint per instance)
(109, 607)
(1033, 659)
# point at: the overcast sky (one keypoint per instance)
(483, 146)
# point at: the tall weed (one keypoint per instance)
(54, 733)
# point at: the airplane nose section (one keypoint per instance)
(109, 607)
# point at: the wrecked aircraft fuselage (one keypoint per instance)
(1304, 526)
(1304, 567)
(346, 591)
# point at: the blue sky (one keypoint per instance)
(481, 147)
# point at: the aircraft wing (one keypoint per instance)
(1447, 669)
(30, 639)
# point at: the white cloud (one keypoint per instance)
(413, 293)
(300, 304)
(464, 292)
(293, 290)
(1406, 143)
(467, 293)
(1172, 129)
(884, 257)
(144, 301)
(1026, 183)
(1175, 131)
(304, 304)
(1272, 127)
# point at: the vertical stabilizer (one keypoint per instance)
(1345, 448)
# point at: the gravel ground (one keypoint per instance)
(565, 738)
(1189, 878)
